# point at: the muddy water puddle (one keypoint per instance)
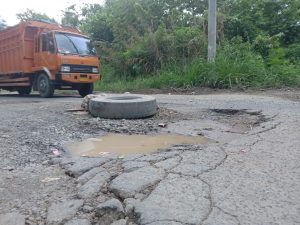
(127, 144)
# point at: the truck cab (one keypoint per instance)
(51, 57)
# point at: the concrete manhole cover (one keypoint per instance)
(124, 98)
(123, 106)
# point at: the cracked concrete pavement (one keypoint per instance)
(247, 173)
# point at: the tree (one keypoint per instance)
(30, 14)
(2, 24)
(122, 18)
(282, 16)
(95, 23)
(250, 18)
(70, 17)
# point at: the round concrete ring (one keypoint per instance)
(123, 106)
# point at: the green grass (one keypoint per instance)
(235, 66)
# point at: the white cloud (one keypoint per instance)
(53, 8)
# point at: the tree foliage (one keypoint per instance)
(250, 18)
(30, 14)
(138, 37)
(2, 24)
(96, 23)
(70, 17)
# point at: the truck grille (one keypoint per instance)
(80, 68)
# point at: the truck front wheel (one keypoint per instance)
(85, 89)
(45, 88)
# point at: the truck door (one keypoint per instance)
(46, 57)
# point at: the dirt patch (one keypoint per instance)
(184, 91)
(285, 93)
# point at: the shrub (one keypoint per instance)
(155, 50)
(264, 43)
(293, 53)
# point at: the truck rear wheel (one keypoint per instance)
(86, 89)
(45, 88)
(24, 90)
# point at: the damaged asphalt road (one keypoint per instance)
(247, 173)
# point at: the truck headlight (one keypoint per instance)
(95, 70)
(65, 69)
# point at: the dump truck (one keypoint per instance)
(43, 56)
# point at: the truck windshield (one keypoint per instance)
(72, 44)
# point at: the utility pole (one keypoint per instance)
(212, 30)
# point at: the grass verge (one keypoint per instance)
(235, 66)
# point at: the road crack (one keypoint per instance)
(268, 129)
(229, 214)
(209, 199)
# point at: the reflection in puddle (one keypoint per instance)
(126, 144)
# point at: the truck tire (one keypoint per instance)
(86, 89)
(45, 88)
(123, 106)
(24, 91)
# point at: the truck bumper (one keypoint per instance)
(75, 78)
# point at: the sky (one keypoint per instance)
(52, 8)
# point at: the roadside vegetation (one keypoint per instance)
(163, 43)
(2, 24)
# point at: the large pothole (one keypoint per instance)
(241, 120)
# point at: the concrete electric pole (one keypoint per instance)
(212, 30)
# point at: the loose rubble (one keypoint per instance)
(12, 219)
(59, 213)
(120, 222)
(78, 222)
(110, 211)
